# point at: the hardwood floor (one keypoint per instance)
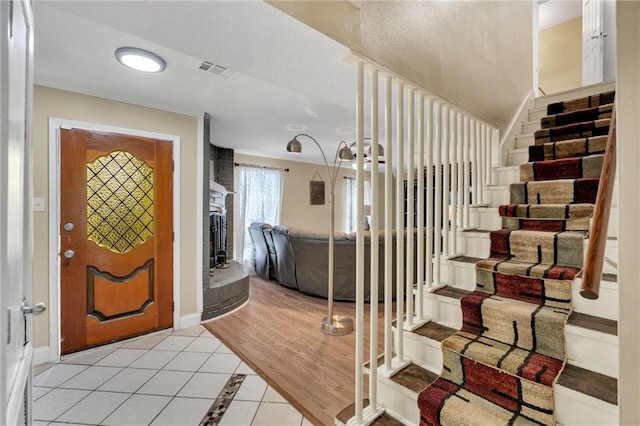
(278, 335)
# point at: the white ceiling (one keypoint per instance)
(284, 73)
(555, 12)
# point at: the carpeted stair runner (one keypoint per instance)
(568, 148)
(499, 369)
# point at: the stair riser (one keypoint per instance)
(484, 218)
(606, 306)
(459, 275)
(399, 402)
(594, 89)
(572, 408)
(498, 195)
(530, 126)
(524, 140)
(477, 244)
(425, 352)
(507, 175)
(590, 350)
(517, 157)
(537, 113)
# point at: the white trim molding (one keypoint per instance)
(54, 218)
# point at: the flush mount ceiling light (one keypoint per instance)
(139, 59)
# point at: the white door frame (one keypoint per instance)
(54, 218)
(16, 275)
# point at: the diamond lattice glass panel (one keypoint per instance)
(119, 201)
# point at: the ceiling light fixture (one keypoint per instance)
(140, 59)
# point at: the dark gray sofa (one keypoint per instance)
(302, 255)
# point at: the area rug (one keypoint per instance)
(500, 367)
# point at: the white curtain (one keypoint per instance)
(351, 203)
(258, 199)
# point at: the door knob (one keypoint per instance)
(69, 254)
(36, 309)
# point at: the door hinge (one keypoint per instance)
(173, 165)
(8, 326)
(11, 20)
(173, 306)
(173, 236)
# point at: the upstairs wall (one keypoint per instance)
(475, 54)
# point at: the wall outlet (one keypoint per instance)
(38, 204)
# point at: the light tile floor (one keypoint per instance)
(166, 378)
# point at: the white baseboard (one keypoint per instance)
(187, 321)
(41, 355)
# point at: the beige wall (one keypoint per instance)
(560, 57)
(627, 96)
(296, 209)
(475, 54)
(72, 106)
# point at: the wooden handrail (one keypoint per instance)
(592, 273)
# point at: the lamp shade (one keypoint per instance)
(380, 151)
(294, 146)
(345, 154)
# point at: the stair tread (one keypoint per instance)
(384, 420)
(435, 331)
(546, 211)
(590, 383)
(414, 377)
(467, 259)
(591, 322)
(481, 231)
(452, 292)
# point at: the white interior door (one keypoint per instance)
(592, 41)
(16, 352)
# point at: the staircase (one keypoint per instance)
(517, 342)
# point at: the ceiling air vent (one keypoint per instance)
(216, 69)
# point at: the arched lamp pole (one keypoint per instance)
(336, 325)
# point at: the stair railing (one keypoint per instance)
(594, 260)
(444, 155)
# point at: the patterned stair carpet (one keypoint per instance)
(499, 369)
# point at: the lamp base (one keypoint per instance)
(339, 325)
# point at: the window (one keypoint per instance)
(258, 199)
(350, 202)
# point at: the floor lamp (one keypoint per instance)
(335, 325)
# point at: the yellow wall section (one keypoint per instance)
(560, 57)
(72, 106)
(296, 208)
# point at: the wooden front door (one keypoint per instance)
(116, 248)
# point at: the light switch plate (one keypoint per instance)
(38, 204)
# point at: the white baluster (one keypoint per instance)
(359, 246)
(437, 162)
(410, 208)
(429, 202)
(466, 183)
(454, 181)
(399, 223)
(446, 180)
(388, 226)
(421, 239)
